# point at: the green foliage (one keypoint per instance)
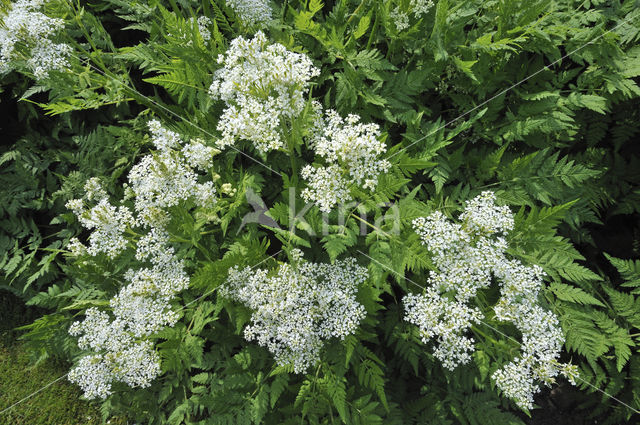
(38, 176)
(602, 325)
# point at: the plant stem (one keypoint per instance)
(371, 225)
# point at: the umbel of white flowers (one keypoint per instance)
(262, 85)
(400, 16)
(467, 257)
(203, 23)
(299, 306)
(120, 350)
(251, 12)
(351, 150)
(26, 38)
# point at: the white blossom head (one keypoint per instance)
(326, 186)
(137, 365)
(94, 190)
(27, 31)
(198, 155)
(516, 381)
(438, 233)
(203, 24)
(76, 248)
(93, 376)
(400, 15)
(481, 215)
(299, 306)
(400, 18)
(163, 139)
(446, 321)
(262, 84)
(352, 151)
(251, 12)
(117, 355)
(108, 223)
(170, 177)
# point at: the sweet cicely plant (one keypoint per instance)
(359, 212)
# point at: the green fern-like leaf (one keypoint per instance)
(572, 294)
(628, 269)
(482, 408)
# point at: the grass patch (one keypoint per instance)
(59, 404)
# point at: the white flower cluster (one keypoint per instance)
(262, 85)
(143, 306)
(438, 317)
(417, 7)
(251, 12)
(108, 222)
(326, 186)
(199, 155)
(122, 358)
(299, 306)
(203, 28)
(25, 26)
(164, 180)
(351, 150)
(420, 7)
(467, 257)
(202, 23)
(399, 18)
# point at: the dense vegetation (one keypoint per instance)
(199, 168)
